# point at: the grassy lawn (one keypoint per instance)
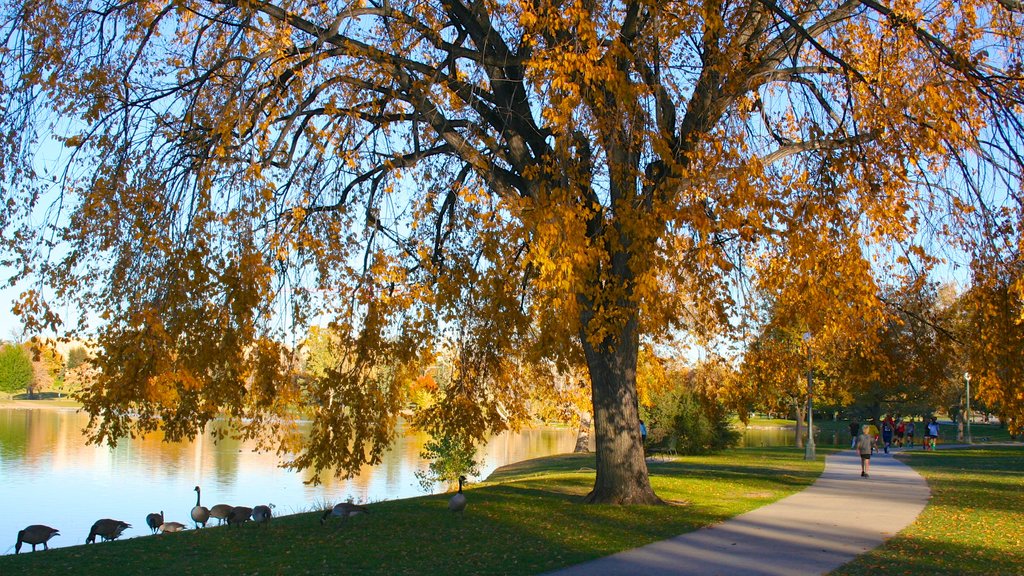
(972, 525)
(757, 422)
(526, 519)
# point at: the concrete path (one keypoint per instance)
(812, 532)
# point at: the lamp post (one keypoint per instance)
(809, 447)
(967, 379)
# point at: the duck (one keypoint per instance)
(200, 514)
(106, 529)
(457, 503)
(239, 515)
(220, 512)
(262, 514)
(154, 520)
(171, 527)
(35, 534)
(344, 510)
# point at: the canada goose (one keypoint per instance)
(457, 503)
(239, 515)
(262, 514)
(200, 514)
(343, 511)
(171, 527)
(154, 520)
(34, 535)
(220, 512)
(106, 529)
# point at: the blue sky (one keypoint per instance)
(10, 326)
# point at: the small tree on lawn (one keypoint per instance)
(15, 369)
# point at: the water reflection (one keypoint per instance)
(767, 436)
(51, 476)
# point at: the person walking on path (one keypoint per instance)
(887, 431)
(931, 436)
(854, 433)
(910, 433)
(872, 430)
(864, 444)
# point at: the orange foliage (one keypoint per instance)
(504, 179)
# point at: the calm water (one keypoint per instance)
(48, 475)
(756, 437)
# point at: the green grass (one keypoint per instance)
(972, 525)
(766, 422)
(527, 519)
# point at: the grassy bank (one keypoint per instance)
(42, 402)
(972, 525)
(526, 519)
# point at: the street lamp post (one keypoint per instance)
(967, 379)
(809, 447)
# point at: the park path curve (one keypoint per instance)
(815, 531)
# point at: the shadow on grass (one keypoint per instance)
(41, 396)
(916, 554)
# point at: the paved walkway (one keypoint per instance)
(812, 532)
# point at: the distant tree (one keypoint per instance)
(15, 368)
(76, 357)
(993, 336)
(47, 366)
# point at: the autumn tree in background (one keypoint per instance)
(993, 339)
(496, 174)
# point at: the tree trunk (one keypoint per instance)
(799, 409)
(583, 434)
(621, 468)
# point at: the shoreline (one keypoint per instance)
(41, 404)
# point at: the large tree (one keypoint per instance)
(490, 174)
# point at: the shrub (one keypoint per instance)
(686, 422)
(450, 457)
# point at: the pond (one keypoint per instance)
(49, 475)
(783, 436)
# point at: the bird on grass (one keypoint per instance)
(200, 514)
(35, 534)
(220, 512)
(344, 510)
(457, 503)
(239, 515)
(154, 520)
(262, 514)
(106, 529)
(171, 527)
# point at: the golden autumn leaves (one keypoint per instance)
(517, 177)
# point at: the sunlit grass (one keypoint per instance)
(526, 520)
(972, 525)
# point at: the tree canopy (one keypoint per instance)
(490, 176)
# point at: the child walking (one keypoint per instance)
(864, 444)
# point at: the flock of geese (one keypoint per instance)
(109, 529)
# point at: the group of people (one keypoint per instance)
(895, 432)
(892, 432)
